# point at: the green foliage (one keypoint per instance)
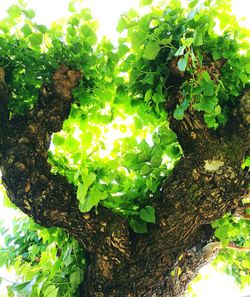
(116, 147)
(230, 229)
(109, 159)
(148, 214)
(210, 50)
(49, 262)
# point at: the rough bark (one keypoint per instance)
(206, 183)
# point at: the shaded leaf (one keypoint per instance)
(148, 214)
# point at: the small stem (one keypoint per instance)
(236, 247)
(246, 205)
(232, 246)
(75, 253)
(244, 215)
(62, 283)
(168, 46)
(242, 211)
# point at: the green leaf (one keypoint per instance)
(67, 258)
(207, 104)
(156, 161)
(131, 14)
(75, 278)
(146, 169)
(39, 287)
(180, 51)
(152, 185)
(71, 143)
(137, 39)
(51, 291)
(222, 232)
(148, 95)
(182, 63)
(246, 264)
(71, 6)
(244, 78)
(216, 54)
(93, 198)
(3, 258)
(138, 225)
(123, 49)
(197, 90)
(198, 38)
(30, 13)
(245, 279)
(122, 25)
(247, 67)
(173, 151)
(147, 214)
(192, 4)
(205, 75)
(166, 41)
(158, 97)
(41, 28)
(14, 11)
(33, 251)
(36, 39)
(187, 41)
(180, 109)
(217, 110)
(25, 287)
(26, 30)
(246, 163)
(209, 88)
(87, 180)
(210, 120)
(151, 50)
(145, 2)
(58, 140)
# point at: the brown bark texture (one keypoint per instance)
(207, 182)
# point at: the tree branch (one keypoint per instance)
(187, 268)
(241, 211)
(238, 248)
(244, 215)
(48, 198)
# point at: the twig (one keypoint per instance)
(217, 245)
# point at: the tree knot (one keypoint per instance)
(65, 79)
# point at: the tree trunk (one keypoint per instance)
(206, 183)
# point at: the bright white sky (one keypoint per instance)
(107, 12)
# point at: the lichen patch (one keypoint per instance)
(213, 165)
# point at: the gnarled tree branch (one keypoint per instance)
(48, 198)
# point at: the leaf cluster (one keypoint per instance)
(48, 262)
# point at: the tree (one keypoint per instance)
(142, 203)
